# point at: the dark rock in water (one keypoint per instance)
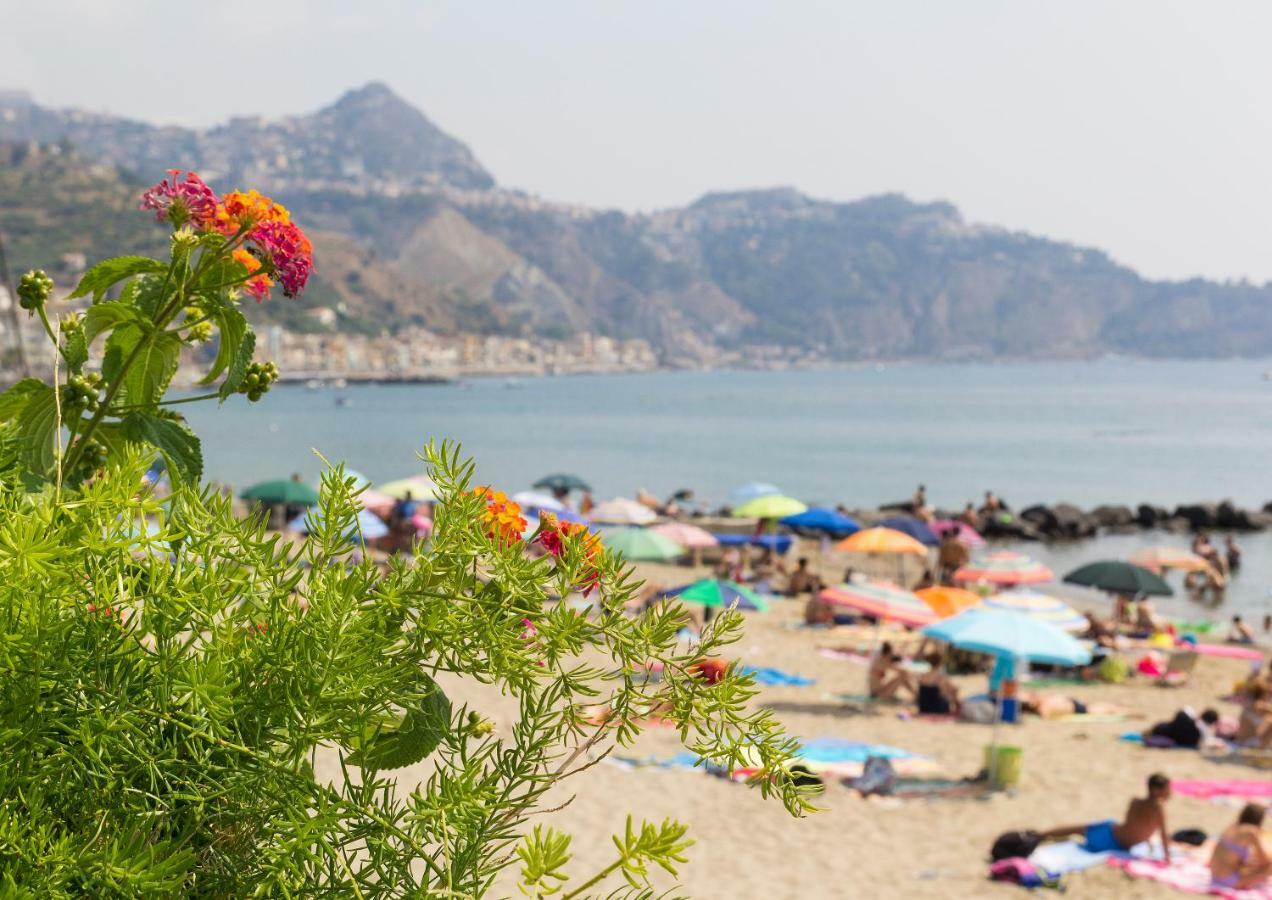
(1199, 515)
(1112, 516)
(904, 506)
(1238, 519)
(1017, 528)
(1151, 516)
(1040, 517)
(1175, 525)
(1064, 520)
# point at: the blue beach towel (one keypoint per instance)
(776, 677)
(838, 750)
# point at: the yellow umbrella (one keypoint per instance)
(1155, 559)
(773, 506)
(948, 601)
(881, 540)
(420, 487)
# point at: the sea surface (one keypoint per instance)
(1109, 431)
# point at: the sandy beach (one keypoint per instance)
(1074, 772)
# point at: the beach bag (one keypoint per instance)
(1015, 844)
(1113, 670)
(981, 711)
(877, 777)
(1192, 836)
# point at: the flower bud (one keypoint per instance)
(34, 289)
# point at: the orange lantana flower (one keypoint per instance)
(504, 523)
(240, 209)
(259, 286)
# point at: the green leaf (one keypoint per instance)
(155, 356)
(107, 316)
(231, 329)
(109, 272)
(418, 735)
(178, 444)
(238, 366)
(76, 350)
(37, 427)
(15, 399)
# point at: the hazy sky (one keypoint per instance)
(1140, 126)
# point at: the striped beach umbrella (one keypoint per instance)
(967, 535)
(622, 511)
(948, 601)
(881, 599)
(1042, 607)
(1158, 559)
(1004, 568)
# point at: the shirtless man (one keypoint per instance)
(1144, 817)
(1240, 859)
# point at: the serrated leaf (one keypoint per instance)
(105, 316)
(180, 447)
(421, 731)
(75, 348)
(37, 428)
(155, 356)
(15, 399)
(109, 272)
(231, 329)
(238, 366)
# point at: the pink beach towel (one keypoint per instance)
(1189, 874)
(1207, 788)
(1228, 651)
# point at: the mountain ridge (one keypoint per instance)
(878, 277)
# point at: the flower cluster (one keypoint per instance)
(262, 238)
(503, 520)
(181, 202)
(553, 535)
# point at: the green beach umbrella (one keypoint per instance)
(1119, 577)
(641, 544)
(720, 593)
(560, 482)
(282, 491)
(773, 506)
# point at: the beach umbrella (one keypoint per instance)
(770, 506)
(751, 490)
(880, 599)
(359, 480)
(1004, 568)
(948, 601)
(420, 487)
(560, 482)
(1159, 559)
(819, 518)
(1119, 577)
(539, 500)
(1014, 635)
(717, 592)
(368, 526)
(1042, 607)
(686, 535)
(378, 503)
(283, 490)
(881, 540)
(642, 544)
(968, 535)
(915, 528)
(621, 511)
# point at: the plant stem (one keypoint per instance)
(594, 880)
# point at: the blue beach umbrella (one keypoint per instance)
(369, 526)
(1011, 634)
(915, 528)
(827, 521)
(751, 490)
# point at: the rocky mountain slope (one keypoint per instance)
(410, 229)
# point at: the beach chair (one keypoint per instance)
(1179, 667)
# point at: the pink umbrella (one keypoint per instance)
(966, 533)
(422, 523)
(686, 535)
(374, 501)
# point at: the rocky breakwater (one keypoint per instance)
(1064, 521)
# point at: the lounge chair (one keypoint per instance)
(1179, 667)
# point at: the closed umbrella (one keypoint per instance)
(882, 600)
(915, 528)
(621, 511)
(771, 506)
(420, 487)
(367, 526)
(1004, 568)
(969, 536)
(1042, 607)
(1158, 559)
(282, 491)
(751, 490)
(948, 601)
(560, 482)
(827, 521)
(642, 544)
(716, 592)
(1119, 577)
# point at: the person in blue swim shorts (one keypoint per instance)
(1145, 816)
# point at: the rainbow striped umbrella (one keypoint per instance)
(1042, 607)
(1004, 568)
(881, 599)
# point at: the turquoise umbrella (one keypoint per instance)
(1015, 635)
(641, 544)
(720, 593)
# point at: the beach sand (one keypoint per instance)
(748, 847)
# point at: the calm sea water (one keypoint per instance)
(1088, 433)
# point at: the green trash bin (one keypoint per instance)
(1004, 764)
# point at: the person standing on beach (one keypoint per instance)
(951, 555)
(1144, 818)
(1233, 554)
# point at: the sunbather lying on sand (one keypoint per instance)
(1054, 706)
(1145, 816)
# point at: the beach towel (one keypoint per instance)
(1188, 873)
(776, 677)
(1207, 788)
(846, 655)
(1228, 651)
(1062, 857)
(1091, 717)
